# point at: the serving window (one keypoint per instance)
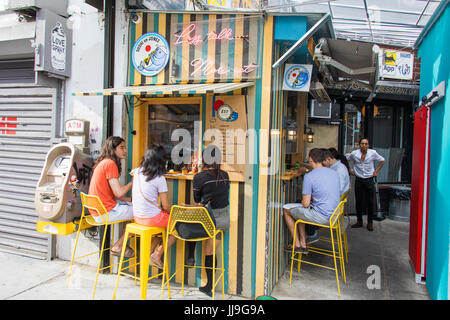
(165, 116)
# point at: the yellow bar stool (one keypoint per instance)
(200, 215)
(344, 198)
(93, 203)
(145, 234)
(337, 248)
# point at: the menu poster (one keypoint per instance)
(225, 127)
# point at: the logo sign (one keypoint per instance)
(396, 65)
(150, 54)
(58, 47)
(297, 77)
(224, 111)
(74, 126)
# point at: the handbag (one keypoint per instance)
(151, 202)
(194, 230)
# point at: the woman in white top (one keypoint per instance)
(361, 161)
(149, 183)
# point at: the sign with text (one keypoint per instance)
(150, 54)
(54, 44)
(216, 49)
(226, 126)
(396, 64)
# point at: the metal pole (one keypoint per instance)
(325, 19)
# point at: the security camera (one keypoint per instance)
(136, 18)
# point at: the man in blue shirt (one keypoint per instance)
(320, 197)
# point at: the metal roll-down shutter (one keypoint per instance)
(27, 117)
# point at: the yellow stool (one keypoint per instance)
(146, 234)
(194, 215)
(335, 253)
(344, 198)
(94, 203)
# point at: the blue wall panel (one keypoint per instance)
(290, 27)
(435, 67)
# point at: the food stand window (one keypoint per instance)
(165, 116)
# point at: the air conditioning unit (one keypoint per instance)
(320, 109)
(156, 4)
(25, 6)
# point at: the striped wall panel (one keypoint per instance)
(180, 191)
(275, 233)
(245, 244)
(186, 59)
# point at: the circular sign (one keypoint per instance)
(224, 112)
(296, 77)
(150, 54)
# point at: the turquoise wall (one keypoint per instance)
(435, 67)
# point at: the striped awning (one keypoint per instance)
(170, 89)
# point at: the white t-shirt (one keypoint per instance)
(364, 169)
(151, 189)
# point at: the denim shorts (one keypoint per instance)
(122, 211)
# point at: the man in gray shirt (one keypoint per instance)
(332, 162)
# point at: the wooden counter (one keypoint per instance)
(179, 176)
(291, 174)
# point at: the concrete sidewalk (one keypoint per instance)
(386, 247)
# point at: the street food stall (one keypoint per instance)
(201, 78)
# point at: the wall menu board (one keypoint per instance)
(226, 126)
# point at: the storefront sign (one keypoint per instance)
(58, 50)
(150, 54)
(396, 64)
(216, 49)
(226, 127)
(297, 77)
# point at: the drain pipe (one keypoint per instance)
(108, 66)
(109, 10)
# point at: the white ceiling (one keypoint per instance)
(391, 22)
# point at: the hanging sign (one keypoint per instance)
(297, 77)
(216, 49)
(396, 64)
(150, 54)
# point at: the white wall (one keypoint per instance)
(87, 69)
(87, 74)
(120, 126)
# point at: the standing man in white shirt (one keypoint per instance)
(362, 164)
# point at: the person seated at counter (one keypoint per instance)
(149, 183)
(320, 197)
(211, 186)
(105, 184)
(332, 162)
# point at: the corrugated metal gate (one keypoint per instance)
(27, 117)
